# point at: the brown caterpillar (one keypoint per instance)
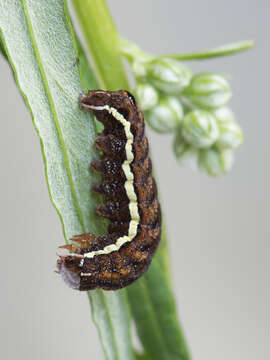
(116, 260)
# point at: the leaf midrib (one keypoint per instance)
(54, 114)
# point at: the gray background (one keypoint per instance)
(219, 228)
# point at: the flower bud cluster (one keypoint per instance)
(191, 107)
(160, 80)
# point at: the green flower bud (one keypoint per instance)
(200, 128)
(215, 162)
(168, 75)
(231, 135)
(166, 116)
(208, 90)
(185, 153)
(223, 114)
(138, 69)
(180, 146)
(147, 96)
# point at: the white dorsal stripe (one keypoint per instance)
(129, 186)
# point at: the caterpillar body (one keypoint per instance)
(116, 260)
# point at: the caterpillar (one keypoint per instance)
(116, 260)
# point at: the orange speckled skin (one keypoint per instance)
(119, 268)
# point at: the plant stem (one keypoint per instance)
(225, 50)
(102, 38)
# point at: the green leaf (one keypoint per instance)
(39, 43)
(2, 50)
(112, 323)
(88, 77)
(153, 308)
(142, 357)
(225, 50)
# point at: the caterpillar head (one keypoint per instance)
(69, 267)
